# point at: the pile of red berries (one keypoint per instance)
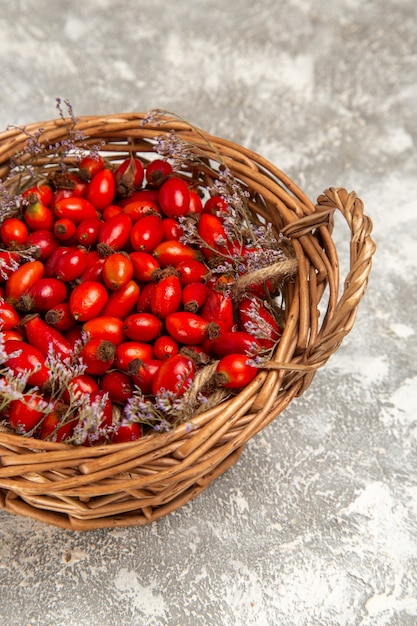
(95, 267)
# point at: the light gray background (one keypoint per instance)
(316, 523)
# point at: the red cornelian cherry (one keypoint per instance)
(142, 326)
(123, 300)
(166, 297)
(101, 189)
(235, 371)
(157, 171)
(146, 233)
(87, 300)
(105, 327)
(165, 346)
(13, 232)
(174, 197)
(175, 375)
(117, 271)
(118, 385)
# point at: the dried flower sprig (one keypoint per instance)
(173, 146)
(14, 385)
(63, 371)
(78, 408)
(161, 412)
(90, 416)
(10, 203)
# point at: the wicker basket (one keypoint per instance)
(135, 483)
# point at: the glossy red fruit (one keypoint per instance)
(122, 301)
(212, 232)
(219, 308)
(67, 185)
(45, 338)
(157, 171)
(236, 342)
(60, 194)
(45, 241)
(142, 326)
(196, 205)
(144, 373)
(171, 229)
(13, 232)
(150, 195)
(190, 328)
(126, 431)
(129, 176)
(164, 347)
(117, 271)
(118, 385)
(175, 375)
(92, 257)
(71, 265)
(110, 211)
(166, 297)
(234, 371)
(90, 165)
(139, 208)
(144, 301)
(174, 197)
(115, 232)
(257, 320)
(129, 351)
(194, 296)
(173, 252)
(146, 233)
(43, 295)
(38, 217)
(54, 429)
(216, 205)
(80, 386)
(94, 269)
(74, 208)
(9, 317)
(26, 414)
(144, 266)
(87, 231)
(191, 271)
(21, 279)
(42, 192)
(65, 230)
(60, 317)
(87, 300)
(101, 189)
(50, 265)
(23, 357)
(98, 355)
(105, 327)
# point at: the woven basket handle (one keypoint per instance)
(341, 315)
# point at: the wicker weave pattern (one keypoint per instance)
(136, 483)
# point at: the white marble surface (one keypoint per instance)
(317, 522)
